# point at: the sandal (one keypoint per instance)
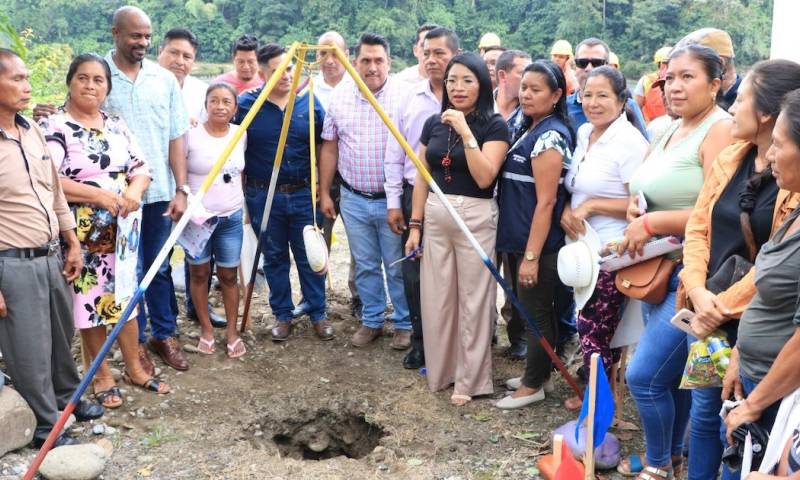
(237, 348)
(206, 347)
(654, 473)
(459, 400)
(106, 398)
(635, 465)
(152, 384)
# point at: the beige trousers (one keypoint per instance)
(458, 296)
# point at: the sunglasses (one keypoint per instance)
(584, 62)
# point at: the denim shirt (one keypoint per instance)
(264, 132)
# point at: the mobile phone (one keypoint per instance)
(642, 203)
(682, 321)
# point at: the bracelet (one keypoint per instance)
(414, 222)
(647, 226)
(415, 226)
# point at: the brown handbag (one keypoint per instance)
(646, 281)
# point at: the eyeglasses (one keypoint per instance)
(596, 62)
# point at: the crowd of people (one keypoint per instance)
(540, 158)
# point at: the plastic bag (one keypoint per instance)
(707, 363)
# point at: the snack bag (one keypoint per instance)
(720, 351)
(700, 371)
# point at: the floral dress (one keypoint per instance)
(108, 159)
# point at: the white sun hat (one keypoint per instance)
(579, 264)
(316, 249)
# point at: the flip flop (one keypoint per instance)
(233, 347)
(206, 347)
(103, 398)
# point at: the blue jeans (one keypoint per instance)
(290, 213)
(705, 447)
(766, 421)
(653, 378)
(372, 242)
(160, 294)
(225, 244)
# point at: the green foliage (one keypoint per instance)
(9, 37)
(633, 28)
(48, 64)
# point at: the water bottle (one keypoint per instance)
(720, 351)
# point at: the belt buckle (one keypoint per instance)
(53, 248)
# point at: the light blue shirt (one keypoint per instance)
(153, 108)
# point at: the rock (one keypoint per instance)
(189, 348)
(70, 421)
(116, 373)
(17, 421)
(74, 462)
(99, 429)
(117, 356)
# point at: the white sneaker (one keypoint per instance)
(511, 403)
(516, 382)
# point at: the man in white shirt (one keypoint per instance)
(415, 73)
(331, 70)
(177, 55)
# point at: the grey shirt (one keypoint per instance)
(772, 316)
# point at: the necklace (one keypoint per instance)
(446, 160)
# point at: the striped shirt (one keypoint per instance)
(361, 134)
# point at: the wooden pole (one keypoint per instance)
(558, 447)
(619, 385)
(589, 455)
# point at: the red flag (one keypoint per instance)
(569, 468)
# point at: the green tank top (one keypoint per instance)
(671, 178)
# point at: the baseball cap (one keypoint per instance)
(713, 38)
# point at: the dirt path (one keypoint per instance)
(301, 408)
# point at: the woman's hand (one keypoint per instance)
(635, 237)
(109, 200)
(130, 202)
(742, 414)
(572, 221)
(455, 119)
(528, 275)
(731, 384)
(412, 243)
(634, 211)
(709, 311)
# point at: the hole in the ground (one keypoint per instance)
(323, 434)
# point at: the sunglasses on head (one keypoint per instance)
(584, 62)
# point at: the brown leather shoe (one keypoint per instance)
(146, 362)
(170, 352)
(401, 339)
(365, 335)
(281, 330)
(324, 329)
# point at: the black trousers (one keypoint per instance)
(411, 277)
(540, 305)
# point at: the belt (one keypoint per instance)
(45, 251)
(283, 188)
(369, 195)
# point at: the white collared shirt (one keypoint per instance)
(605, 169)
(194, 97)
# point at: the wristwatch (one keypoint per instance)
(472, 144)
(530, 256)
(184, 189)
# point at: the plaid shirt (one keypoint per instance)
(360, 132)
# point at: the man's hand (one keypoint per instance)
(73, 260)
(43, 110)
(176, 207)
(326, 206)
(396, 220)
(3, 308)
